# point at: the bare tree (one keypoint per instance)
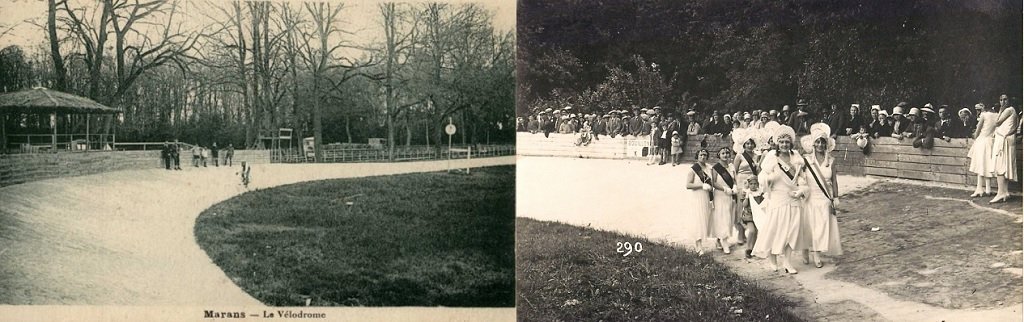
(400, 26)
(59, 70)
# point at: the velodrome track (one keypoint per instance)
(650, 201)
(126, 238)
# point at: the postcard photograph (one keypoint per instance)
(246, 158)
(769, 161)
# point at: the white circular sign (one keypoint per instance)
(450, 129)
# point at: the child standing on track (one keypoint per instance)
(244, 174)
(749, 197)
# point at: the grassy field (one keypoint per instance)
(429, 239)
(941, 252)
(569, 273)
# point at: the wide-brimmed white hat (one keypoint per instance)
(818, 131)
(741, 136)
(783, 130)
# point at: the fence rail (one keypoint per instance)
(413, 153)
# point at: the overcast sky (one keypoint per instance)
(361, 17)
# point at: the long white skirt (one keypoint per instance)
(700, 215)
(980, 153)
(1004, 151)
(823, 227)
(723, 217)
(781, 228)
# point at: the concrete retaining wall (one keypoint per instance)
(19, 168)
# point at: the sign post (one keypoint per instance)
(450, 129)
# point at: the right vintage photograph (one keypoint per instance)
(761, 160)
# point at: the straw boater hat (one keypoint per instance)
(818, 131)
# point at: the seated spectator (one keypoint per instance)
(925, 131)
(899, 123)
(852, 121)
(727, 125)
(862, 138)
(693, 127)
(784, 115)
(914, 121)
(716, 126)
(944, 125)
(534, 125)
(964, 126)
(880, 127)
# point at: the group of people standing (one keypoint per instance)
(780, 202)
(170, 154)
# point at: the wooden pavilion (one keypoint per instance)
(31, 121)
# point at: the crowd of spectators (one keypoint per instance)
(921, 124)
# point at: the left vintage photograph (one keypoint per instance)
(257, 154)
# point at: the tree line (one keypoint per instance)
(232, 71)
(740, 55)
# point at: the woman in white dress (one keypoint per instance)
(980, 153)
(819, 215)
(782, 179)
(1004, 150)
(723, 218)
(701, 180)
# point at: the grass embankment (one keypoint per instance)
(940, 252)
(572, 273)
(428, 239)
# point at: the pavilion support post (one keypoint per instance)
(54, 137)
(3, 133)
(88, 144)
(113, 136)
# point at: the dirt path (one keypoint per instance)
(126, 238)
(633, 198)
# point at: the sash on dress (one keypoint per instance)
(750, 163)
(729, 180)
(704, 179)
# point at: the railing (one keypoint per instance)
(145, 146)
(40, 143)
(412, 153)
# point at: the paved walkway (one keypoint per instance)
(633, 198)
(126, 238)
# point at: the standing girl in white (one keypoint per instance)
(1004, 150)
(723, 218)
(819, 214)
(980, 153)
(782, 179)
(701, 180)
